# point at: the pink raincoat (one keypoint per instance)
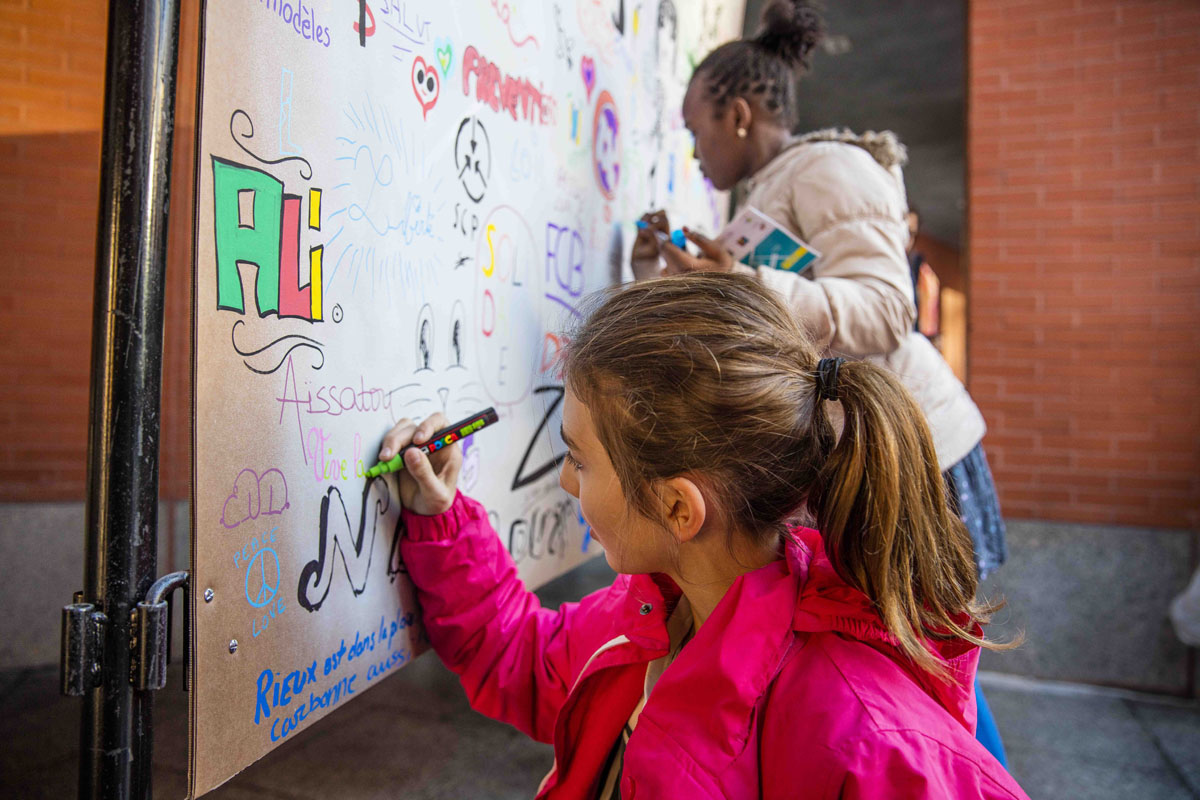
(791, 689)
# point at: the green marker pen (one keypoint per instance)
(440, 439)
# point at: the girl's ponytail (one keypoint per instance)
(790, 30)
(880, 504)
(708, 374)
(764, 68)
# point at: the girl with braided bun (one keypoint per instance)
(738, 654)
(844, 195)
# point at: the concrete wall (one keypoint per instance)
(41, 550)
(1092, 602)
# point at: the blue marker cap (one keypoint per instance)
(677, 238)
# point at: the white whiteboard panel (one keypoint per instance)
(394, 219)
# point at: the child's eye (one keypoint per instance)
(574, 462)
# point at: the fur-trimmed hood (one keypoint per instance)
(843, 194)
(884, 146)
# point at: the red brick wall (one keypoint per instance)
(1084, 255)
(52, 61)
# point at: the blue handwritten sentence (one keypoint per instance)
(277, 691)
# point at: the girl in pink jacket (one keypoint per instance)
(844, 195)
(738, 654)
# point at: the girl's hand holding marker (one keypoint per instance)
(427, 459)
(652, 229)
(676, 238)
(712, 258)
(654, 239)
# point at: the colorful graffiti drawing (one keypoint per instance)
(258, 224)
(364, 26)
(500, 91)
(444, 50)
(426, 85)
(606, 144)
(505, 13)
(473, 157)
(508, 314)
(587, 66)
(335, 532)
(255, 495)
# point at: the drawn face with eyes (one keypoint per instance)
(442, 379)
(424, 345)
(473, 157)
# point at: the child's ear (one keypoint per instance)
(684, 509)
(742, 115)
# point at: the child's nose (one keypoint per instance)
(567, 479)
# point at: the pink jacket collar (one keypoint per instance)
(741, 648)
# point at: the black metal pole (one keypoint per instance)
(127, 333)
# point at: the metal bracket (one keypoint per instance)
(81, 659)
(150, 635)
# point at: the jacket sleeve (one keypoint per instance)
(516, 660)
(859, 298)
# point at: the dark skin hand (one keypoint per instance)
(644, 257)
(647, 248)
(712, 258)
(731, 143)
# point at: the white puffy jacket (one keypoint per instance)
(844, 195)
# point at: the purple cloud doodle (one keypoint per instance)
(255, 496)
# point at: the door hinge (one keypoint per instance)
(150, 634)
(81, 660)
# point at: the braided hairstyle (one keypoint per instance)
(766, 66)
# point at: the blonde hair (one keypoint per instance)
(708, 375)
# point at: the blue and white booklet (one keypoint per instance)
(756, 240)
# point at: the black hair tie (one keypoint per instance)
(827, 377)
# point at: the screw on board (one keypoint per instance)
(208, 595)
(233, 645)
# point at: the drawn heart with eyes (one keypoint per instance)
(426, 85)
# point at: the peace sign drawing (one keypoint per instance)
(262, 578)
